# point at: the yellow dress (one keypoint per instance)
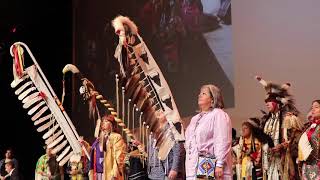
(250, 156)
(114, 157)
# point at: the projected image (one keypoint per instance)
(170, 23)
(191, 40)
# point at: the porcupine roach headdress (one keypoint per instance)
(144, 86)
(44, 107)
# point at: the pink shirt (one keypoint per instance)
(212, 136)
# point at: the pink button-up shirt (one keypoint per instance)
(209, 133)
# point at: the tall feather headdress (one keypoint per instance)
(280, 94)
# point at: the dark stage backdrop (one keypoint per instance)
(46, 27)
(192, 51)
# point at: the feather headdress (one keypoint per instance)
(279, 94)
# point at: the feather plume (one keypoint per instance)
(59, 147)
(262, 81)
(31, 96)
(64, 152)
(25, 93)
(119, 22)
(42, 119)
(21, 89)
(55, 142)
(31, 102)
(67, 68)
(70, 68)
(286, 86)
(65, 159)
(53, 137)
(45, 126)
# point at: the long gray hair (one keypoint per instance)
(216, 96)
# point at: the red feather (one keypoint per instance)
(16, 62)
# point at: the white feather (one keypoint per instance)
(304, 147)
(31, 102)
(42, 119)
(18, 91)
(65, 159)
(15, 82)
(53, 137)
(64, 152)
(285, 86)
(262, 81)
(284, 100)
(59, 147)
(31, 96)
(70, 67)
(25, 93)
(50, 132)
(55, 142)
(36, 107)
(45, 126)
(118, 22)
